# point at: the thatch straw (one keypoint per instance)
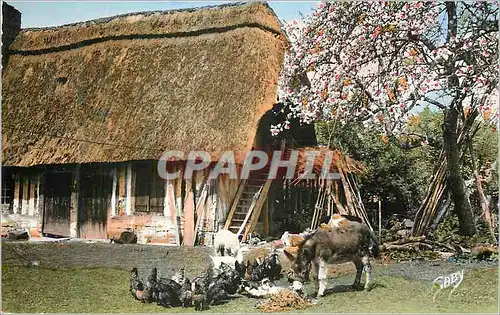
(285, 300)
(131, 99)
(340, 162)
(257, 14)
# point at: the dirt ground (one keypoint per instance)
(72, 254)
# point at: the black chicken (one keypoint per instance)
(230, 278)
(215, 286)
(270, 268)
(240, 268)
(200, 288)
(186, 294)
(250, 267)
(136, 285)
(164, 292)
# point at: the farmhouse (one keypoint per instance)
(89, 108)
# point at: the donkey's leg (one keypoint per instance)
(322, 273)
(315, 270)
(368, 271)
(359, 272)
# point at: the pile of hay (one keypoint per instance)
(284, 300)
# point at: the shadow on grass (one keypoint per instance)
(344, 288)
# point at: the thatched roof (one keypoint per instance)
(339, 163)
(129, 87)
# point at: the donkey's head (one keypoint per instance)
(301, 262)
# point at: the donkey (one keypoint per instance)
(353, 241)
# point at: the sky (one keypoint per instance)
(43, 13)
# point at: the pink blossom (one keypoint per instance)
(418, 5)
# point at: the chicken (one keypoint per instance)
(269, 268)
(164, 292)
(136, 285)
(240, 269)
(180, 276)
(249, 270)
(186, 294)
(200, 288)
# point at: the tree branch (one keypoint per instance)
(434, 102)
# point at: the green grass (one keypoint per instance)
(101, 290)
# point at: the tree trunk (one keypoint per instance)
(455, 179)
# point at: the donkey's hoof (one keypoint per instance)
(357, 287)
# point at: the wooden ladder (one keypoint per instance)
(248, 203)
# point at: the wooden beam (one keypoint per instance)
(39, 202)
(75, 198)
(379, 220)
(171, 209)
(200, 207)
(129, 199)
(31, 201)
(113, 191)
(16, 205)
(249, 213)
(235, 203)
(201, 198)
(266, 218)
(25, 197)
(189, 220)
(258, 207)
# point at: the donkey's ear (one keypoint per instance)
(289, 256)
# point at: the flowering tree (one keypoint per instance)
(378, 61)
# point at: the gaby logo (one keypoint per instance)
(451, 280)
(254, 160)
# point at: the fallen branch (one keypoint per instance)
(407, 240)
(418, 241)
(415, 245)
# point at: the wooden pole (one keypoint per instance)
(379, 220)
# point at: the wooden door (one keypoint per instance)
(57, 204)
(96, 185)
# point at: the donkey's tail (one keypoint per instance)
(374, 246)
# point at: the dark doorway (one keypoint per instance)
(57, 203)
